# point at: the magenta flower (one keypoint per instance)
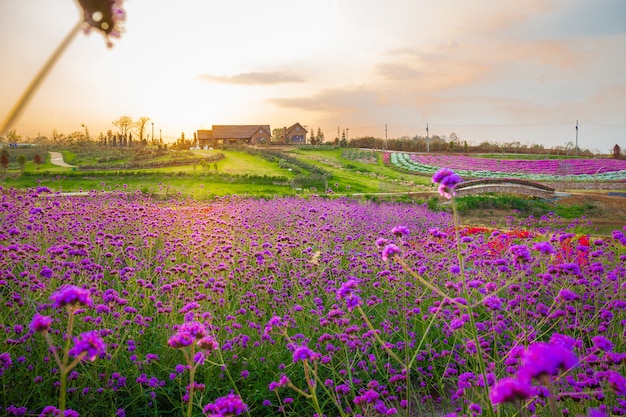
(390, 251)
(400, 231)
(71, 295)
(545, 359)
(207, 343)
(447, 181)
(230, 405)
(544, 247)
(510, 390)
(180, 340)
(41, 324)
(303, 353)
(89, 343)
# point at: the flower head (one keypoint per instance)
(510, 390)
(89, 343)
(303, 353)
(390, 251)
(447, 180)
(545, 359)
(230, 405)
(71, 295)
(208, 344)
(41, 324)
(104, 15)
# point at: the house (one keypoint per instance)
(234, 135)
(295, 134)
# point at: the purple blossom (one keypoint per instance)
(71, 295)
(447, 181)
(88, 343)
(303, 353)
(230, 405)
(510, 390)
(41, 324)
(545, 358)
(544, 247)
(390, 251)
(400, 231)
(208, 344)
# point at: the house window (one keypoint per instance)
(297, 128)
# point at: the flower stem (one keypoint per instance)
(19, 107)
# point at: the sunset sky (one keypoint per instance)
(522, 70)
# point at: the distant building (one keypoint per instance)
(295, 134)
(234, 135)
(248, 135)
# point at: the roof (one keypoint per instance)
(238, 131)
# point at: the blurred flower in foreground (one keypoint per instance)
(510, 390)
(231, 405)
(105, 16)
(447, 180)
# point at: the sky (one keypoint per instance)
(501, 71)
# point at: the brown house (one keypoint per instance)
(295, 134)
(234, 135)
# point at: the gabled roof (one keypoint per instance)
(293, 126)
(238, 131)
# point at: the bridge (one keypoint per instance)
(504, 186)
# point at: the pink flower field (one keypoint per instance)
(118, 305)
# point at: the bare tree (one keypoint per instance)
(124, 124)
(140, 125)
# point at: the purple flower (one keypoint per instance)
(71, 295)
(303, 353)
(400, 231)
(41, 324)
(50, 411)
(207, 343)
(346, 289)
(545, 359)
(390, 251)
(89, 343)
(180, 340)
(520, 253)
(193, 328)
(602, 343)
(544, 247)
(447, 181)
(617, 383)
(231, 405)
(510, 390)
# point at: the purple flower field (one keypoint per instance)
(547, 166)
(292, 307)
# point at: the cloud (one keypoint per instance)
(254, 78)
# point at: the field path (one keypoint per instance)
(56, 158)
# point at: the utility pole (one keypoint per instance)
(338, 136)
(427, 140)
(152, 131)
(576, 150)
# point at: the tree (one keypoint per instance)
(4, 159)
(617, 152)
(343, 142)
(22, 161)
(140, 125)
(124, 124)
(320, 136)
(38, 160)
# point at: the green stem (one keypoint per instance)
(470, 310)
(19, 107)
(64, 368)
(192, 374)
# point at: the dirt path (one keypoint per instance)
(56, 158)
